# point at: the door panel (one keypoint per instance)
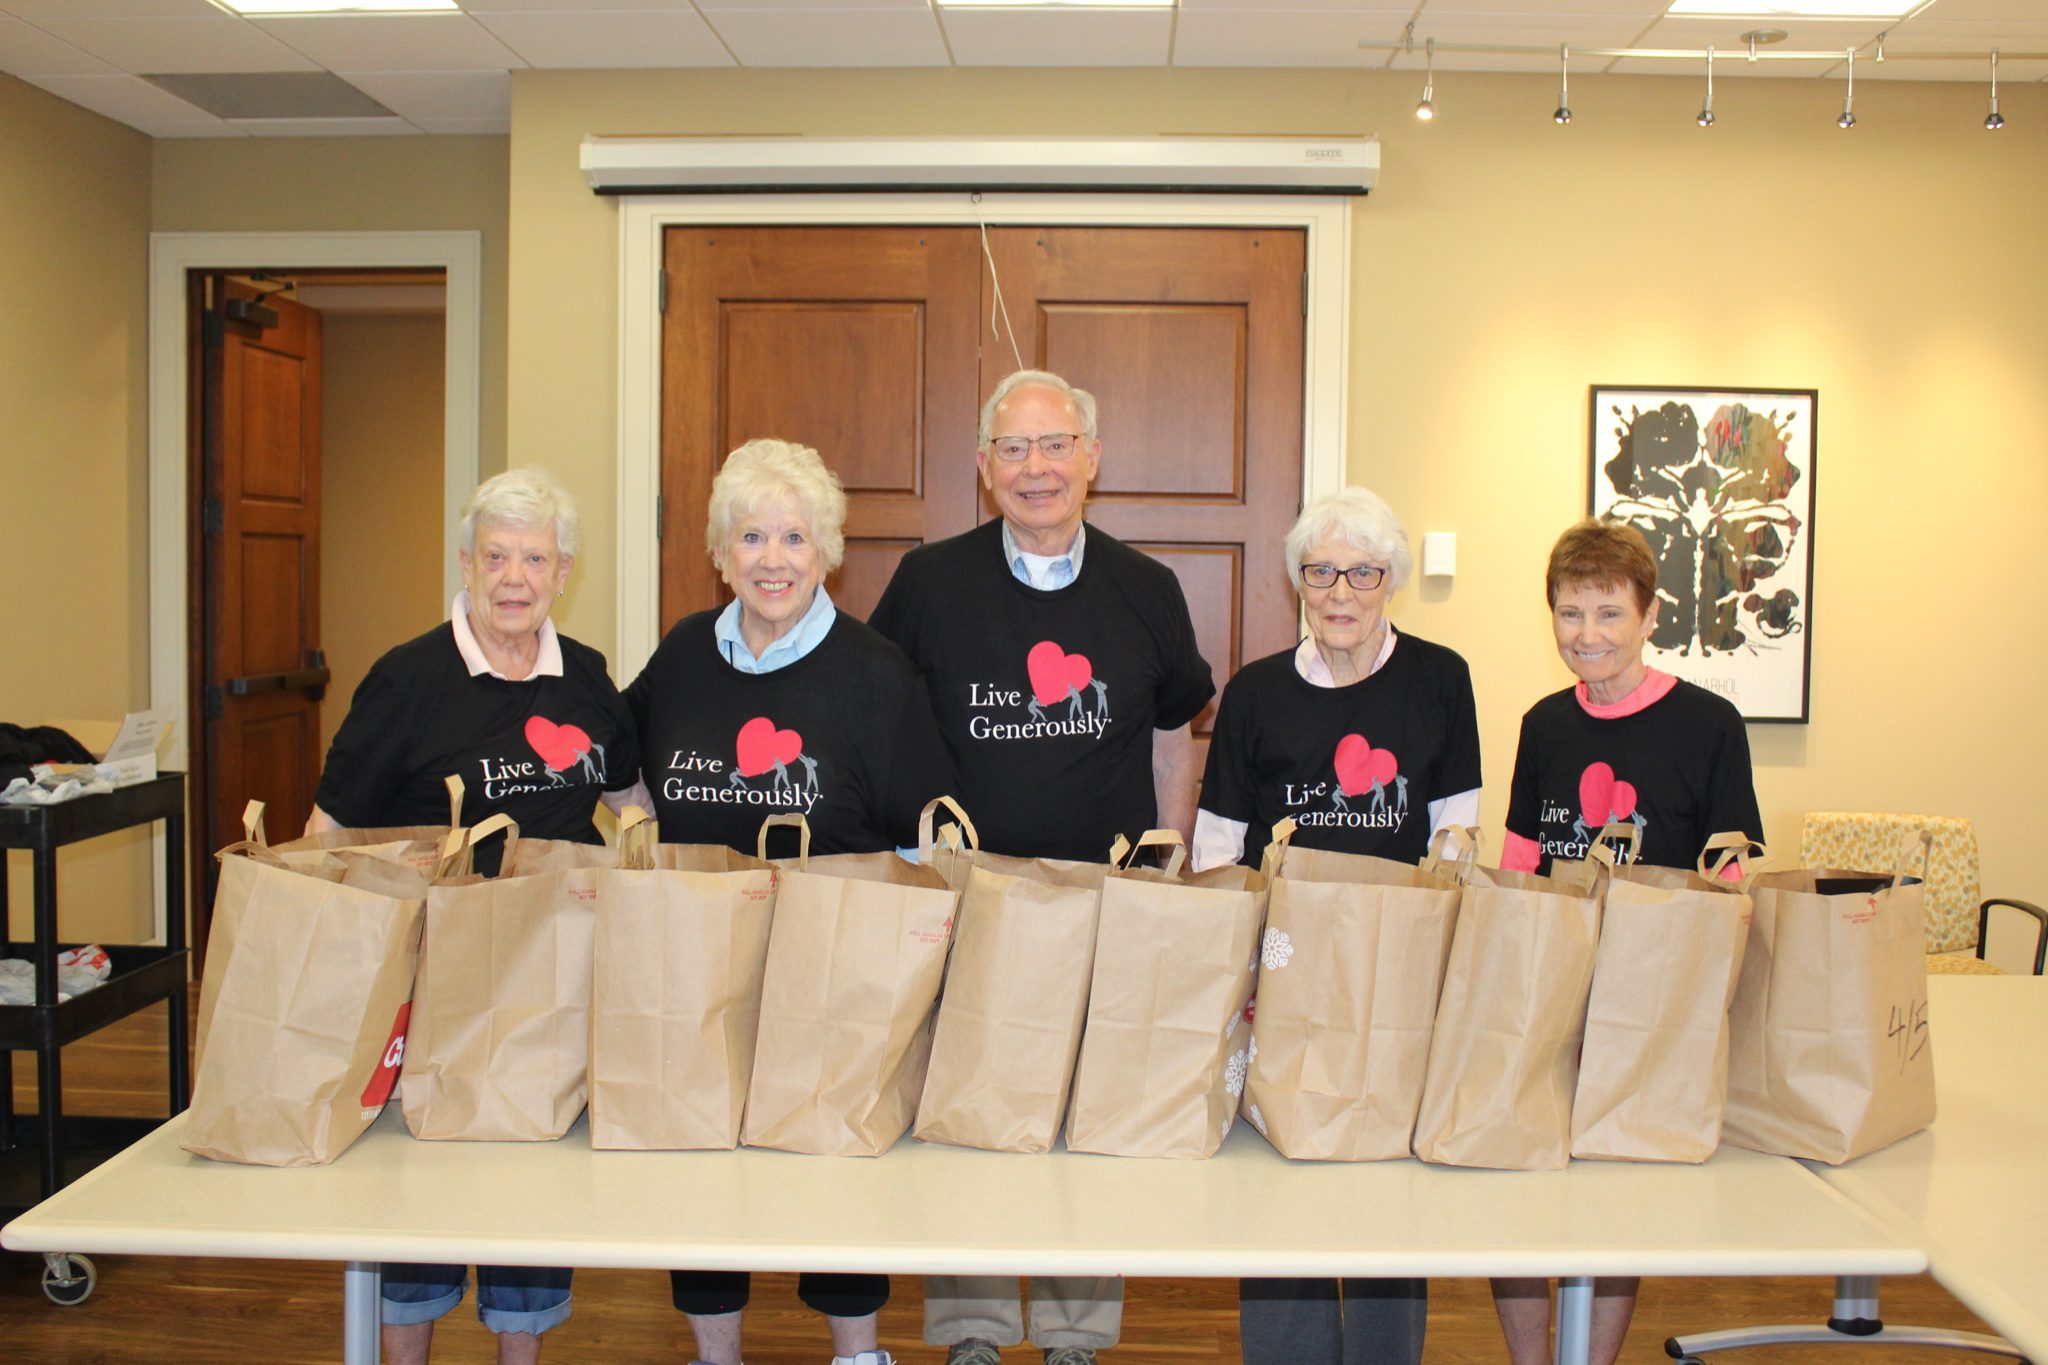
(260, 570)
(870, 344)
(856, 341)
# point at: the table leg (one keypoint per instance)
(362, 1286)
(1574, 1319)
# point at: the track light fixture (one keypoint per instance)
(1564, 84)
(1425, 110)
(1706, 117)
(1848, 118)
(1994, 120)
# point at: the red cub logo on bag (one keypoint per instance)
(379, 1088)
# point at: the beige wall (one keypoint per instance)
(74, 257)
(380, 490)
(1505, 265)
(368, 184)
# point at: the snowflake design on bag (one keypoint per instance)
(1230, 1029)
(1258, 1120)
(1277, 948)
(1227, 1120)
(1251, 1052)
(1233, 1074)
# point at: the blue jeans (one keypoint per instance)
(509, 1298)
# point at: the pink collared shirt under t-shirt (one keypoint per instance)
(548, 664)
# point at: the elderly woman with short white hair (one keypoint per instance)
(781, 702)
(531, 722)
(1367, 738)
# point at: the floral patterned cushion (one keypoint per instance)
(1859, 841)
(1960, 964)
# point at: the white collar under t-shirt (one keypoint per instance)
(1045, 572)
(548, 664)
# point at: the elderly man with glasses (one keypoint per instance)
(1064, 672)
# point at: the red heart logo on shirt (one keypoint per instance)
(1624, 800)
(1054, 672)
(1597, 793)
(761, 746)
(558, 745)
(1360, 766)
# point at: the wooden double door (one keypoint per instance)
(878, 345)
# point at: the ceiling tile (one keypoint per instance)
(583, 41)
(1058, 37)
(708, 6)
(831, 37)
(393, 42)
(1964, 69)
(1283, 37)
(179, 128)
(129, 99)
(1521, 11)
(1537, 31)
(28, 51)
(167, 46)
(582, 6)
(438, 94)
(491, 126)
(1943, 35)
(1994, 11)
(1724, 35)
(324, 127)
(112, 9)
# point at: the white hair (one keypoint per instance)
(527, 497)
(765, 472)
(1083, 401)
(1365, 522)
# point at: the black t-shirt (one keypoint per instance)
(844, 735)
(1355, 766)
(1678, 770)
(1048, 700)
(539, 751)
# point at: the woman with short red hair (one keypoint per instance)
(1627, 744)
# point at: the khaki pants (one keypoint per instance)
(1066, 1310)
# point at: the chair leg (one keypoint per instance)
(1854, 1321)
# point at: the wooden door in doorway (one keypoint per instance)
(263, 674)
(875, 346)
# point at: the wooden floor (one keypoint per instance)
(254, 1312)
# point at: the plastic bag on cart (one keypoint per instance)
(78, 971)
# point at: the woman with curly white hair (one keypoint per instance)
(781, 702)
(1368, 739)
(530, 720)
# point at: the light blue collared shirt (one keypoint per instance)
(811, 629)
(1044, 572)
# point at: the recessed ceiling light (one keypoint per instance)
(274, 7)
(1056, 4)
(1791, 9)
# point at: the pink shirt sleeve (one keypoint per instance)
(1518, 854)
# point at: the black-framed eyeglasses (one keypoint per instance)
(1365, 577)
(1053, 445)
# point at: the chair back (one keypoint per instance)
(1867, 841)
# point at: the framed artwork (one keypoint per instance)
(1720, 482)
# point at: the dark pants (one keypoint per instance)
(1305, 1322)
(705, 1293)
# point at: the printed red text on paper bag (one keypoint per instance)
(379, 1088)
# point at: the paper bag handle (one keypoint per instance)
(926, 841)
(638, 833)
(1584, 875)
(458, 849)
(1276, 847)
(803, 836)
(1734, 847)
(1621, 832)
(252, 824)
(1920, 840)
(453, 783)
(1122, 850)
(255, 850)
(1468, 852)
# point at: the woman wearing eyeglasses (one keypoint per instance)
(1367, 738)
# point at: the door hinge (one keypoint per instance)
(661, 291)
(1304, 293)
(213, 517)
(216, 703)
(660, 518)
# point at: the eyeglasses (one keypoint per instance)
(1054, 446)
(1365, 577)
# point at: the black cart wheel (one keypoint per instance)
(68, 1278)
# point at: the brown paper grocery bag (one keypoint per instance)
(1653, 1074)
(854, 960)
(419, 846)
(303, 1011)
(1353, 960)
(675, 994)
(1009, 1023)
(1165, 1047)
(1830, 1055)
(1503, 1059)
(500, 1041)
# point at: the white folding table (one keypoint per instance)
(929, 1209)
